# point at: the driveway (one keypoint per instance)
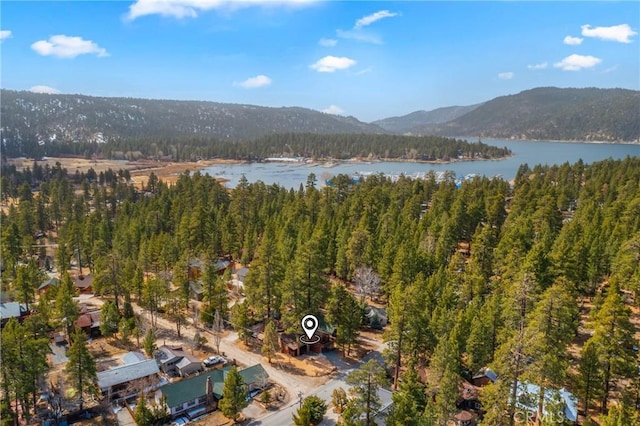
(58, 354)
(284, 415)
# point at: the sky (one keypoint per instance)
(365, 59)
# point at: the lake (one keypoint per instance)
(291, 175)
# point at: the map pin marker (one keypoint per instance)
(309, 325)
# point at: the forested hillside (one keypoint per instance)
(31, 119)
(408, 123)
(550, 113)
(552, 265)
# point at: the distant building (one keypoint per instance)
(12, 310)
(49, 285)
(83, 284)
(88, 321)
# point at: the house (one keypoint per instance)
(12, 310)
(484, 377)
(290, 343)
(199, 394)
(82, 284)
(377, 317)
(468, 403)
(197, 267)
(255, 377)
(88, 321)
(527, 395)
(49, 285)
(175, 361)
(196, 291)
(117, 382)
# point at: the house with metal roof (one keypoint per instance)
(175, 361)
(115, 381)
(12, 310)
(196, 395)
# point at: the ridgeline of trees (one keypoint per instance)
(308, 145)
(563, 235)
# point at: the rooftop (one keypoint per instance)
(10, 310)
(194, 387)
(126, 373)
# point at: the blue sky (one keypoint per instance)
(367, 59)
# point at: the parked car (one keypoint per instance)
(213, 360)
(180, 421)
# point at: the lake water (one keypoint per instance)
(291, 175)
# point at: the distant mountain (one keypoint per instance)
(550, 113)
(408, 123)
(79, 118)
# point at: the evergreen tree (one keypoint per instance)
(311, 412)
(234, 395)
(109, 319)
(81, 367)
(588, 379)
(271, 342)
(409, 401)
(364, 383)
(344, 313)
(149, 343)
(264, 281)
(613, 340)
(66, 308)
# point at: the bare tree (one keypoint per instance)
(367, 283)
(218, 329)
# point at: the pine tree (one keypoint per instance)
(613, 341)
(81, 367)
(149, 343)
(409, 401)
(344, 313)
(311, 413)
(365, 383)
(589, 376)
(271, 342)
(234, 395)
(66, 308)
(263, 283)
(109, 317)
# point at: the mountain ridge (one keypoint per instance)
(83, 118)
(550, 113)
(407, 123)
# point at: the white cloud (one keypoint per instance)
(5, 34)
(190, 8)
(610, 69)
(44, 89)
(327, 42)
(64, 46)
(334, 110)
(577, 62)
(620, 33)
(370, 19)
(540, 66)
(572, 41)
(255, 82)
(359, 35)
(332, 63)
(506, 75)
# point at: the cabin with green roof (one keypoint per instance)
(196, 395)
